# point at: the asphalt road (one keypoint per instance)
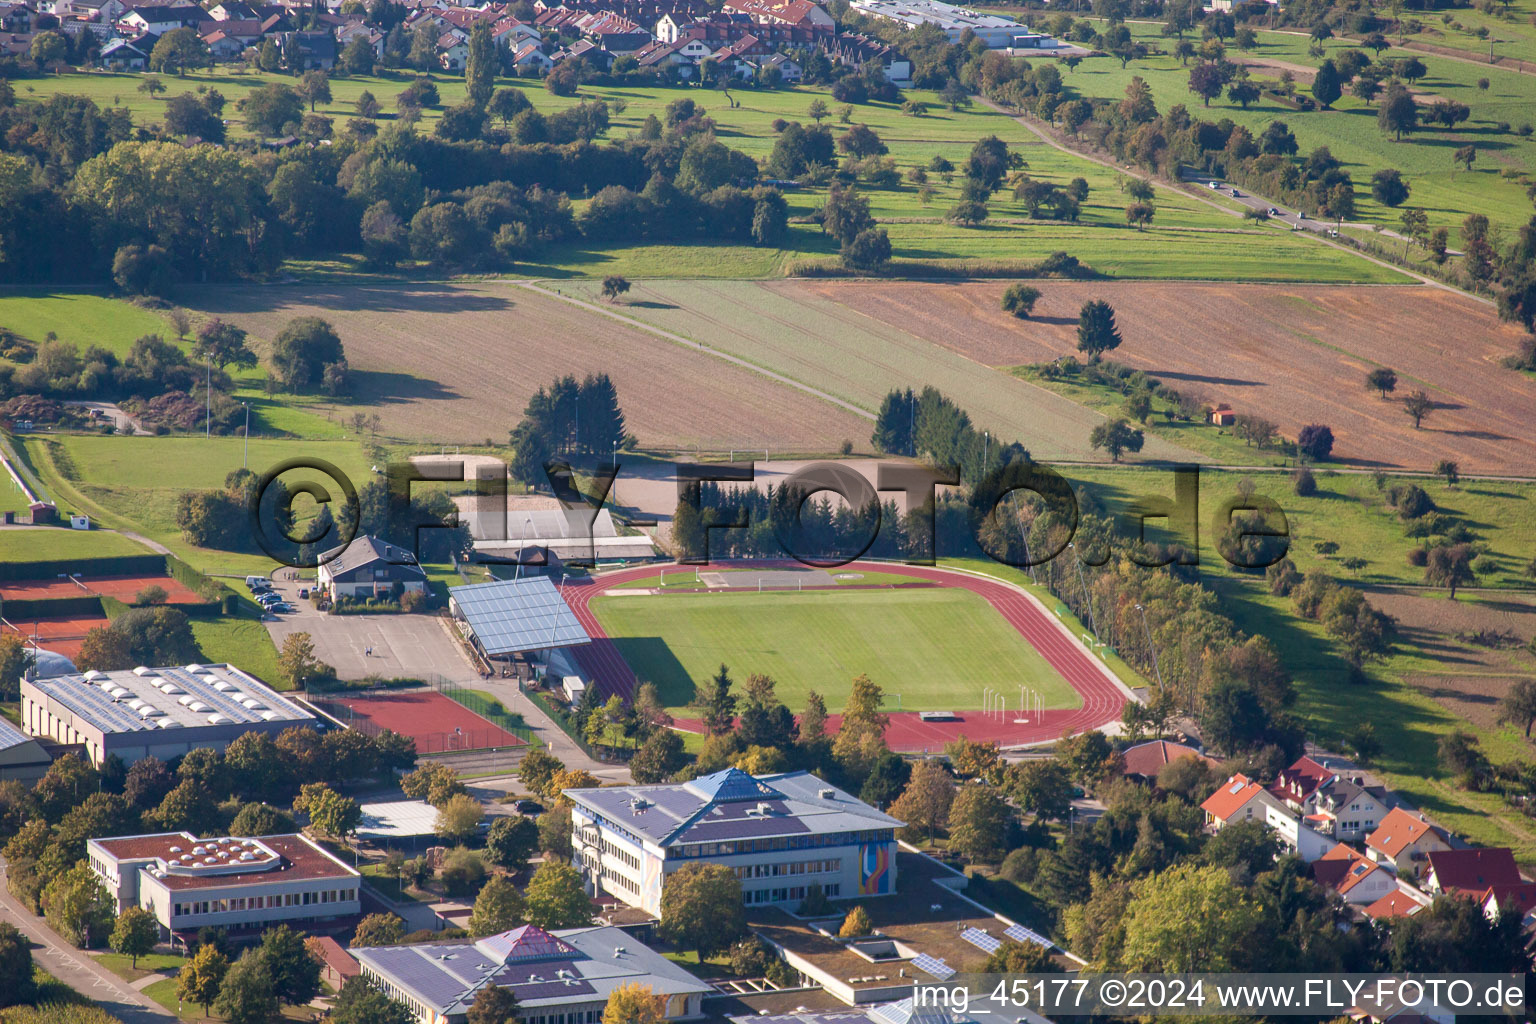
(77, 970)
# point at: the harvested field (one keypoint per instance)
(796, 329)
(1294, 354)
(459, 362)
(1479, 641)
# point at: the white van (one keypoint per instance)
(257, 581)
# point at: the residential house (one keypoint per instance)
(530, 58)
(452, 51)
(1298, 784)
(1403, 842)
(800, 13)
(369, 567)
(308, 50)
(1470, 872)
(1519, 899)
(788, 71)
(1239, 799)
(1298, 834)
(104, 12)
(1347, 809)
(510, 34)
(1350, 874)
(122, 55)
(16, 44)
(1403, 901)
(160, 20)
(854, 50)
(15, 17)
(361, 30)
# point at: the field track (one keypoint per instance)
(1102, 697)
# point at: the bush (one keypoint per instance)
(1315, 441)
(1021, 865)
(1304, 483)
(1411, 501)
(1020, 300)
(1418, 557)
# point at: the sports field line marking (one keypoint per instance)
(697, 345)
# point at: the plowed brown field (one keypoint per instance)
(459, 362)
(1292, 354)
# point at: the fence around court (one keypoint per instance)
(341, 705)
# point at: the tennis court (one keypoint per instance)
(124, 588)
(436, 723)
(56, 633)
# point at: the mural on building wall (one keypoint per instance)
(874, 869)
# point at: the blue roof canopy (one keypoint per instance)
(512, 616)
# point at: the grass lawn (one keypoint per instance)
(134, 482)
(49, 543)
(153, 963)
(928, 649)
(84, 318)
(389, 886)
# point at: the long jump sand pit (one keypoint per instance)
(1294, 354)
(458, 362)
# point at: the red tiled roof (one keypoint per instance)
(1399, 830)
(336, 958)
(1230, 798)
(1147, 758)
(1342, 868)
(1521, 897)
(1474, 871)
(1301, 780)
(1396, 903)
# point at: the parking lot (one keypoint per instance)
(415, 646)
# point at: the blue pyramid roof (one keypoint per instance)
(731, 785)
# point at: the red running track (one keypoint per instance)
(1103, 700)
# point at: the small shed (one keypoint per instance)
(1223, 416)
(79, 522)
(44, 512)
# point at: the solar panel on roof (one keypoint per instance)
(509, 616)
(981, 940)
(934, 966)
(1018, 933)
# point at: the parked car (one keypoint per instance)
(303, 592)
(529, 807)
(267, 600)
(281, 607)
(257, 581)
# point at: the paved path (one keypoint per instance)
(1103, 693)
(77, 970)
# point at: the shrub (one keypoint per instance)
(1304, 483)
(1418, 557)
(1020, 300)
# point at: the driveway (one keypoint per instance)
(79, 971)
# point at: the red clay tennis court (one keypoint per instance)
(56, 633)
(124, 588)
(436, 723)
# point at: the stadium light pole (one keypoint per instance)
(522, 542)
(1084, 584)
(245, 459)
(1150, 644)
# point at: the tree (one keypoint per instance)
(303, 349)
(719, 704)
(869, 250)
(1139, 215)
(1243, 92)
(135, 934)
(925, 802)
(1518, 705)
(1465, 156)
(247, 994)
(271, 109)
(199, 980)
(379, 930)
(294, 974)
(1042, 787)
(221, 344)
(494, 1004)
(1381, 379)
(1019, 299)
(512, 839)
(49, 49)
(1450, 566)
(314, 87)
(817, 110)
(978, 823)
(1388, 187)
(498, 907)
(329, 812)
(658, 757)
(16, 969)
(1187, 918)
(1398, 113)
(556, 899)
(538, 768)
(856, 924)
(1448, 469)
(1096, 330)
(701, 908)
(505, 104)
(1315, 442)
(359, 1002)
(614, 286)
(482, 65)
(178, 50)
(77, 905)
(1116, 437)
(1418, 405)
(1205, 81)
(458, 818)
(634, 1003)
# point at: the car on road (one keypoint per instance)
(528, 807)
(1236, 194)
(1274, 212)
(1213, 184)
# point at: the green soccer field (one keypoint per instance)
(935, 648)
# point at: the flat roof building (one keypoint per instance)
(779, 833)
(559, 977)
(994, 30)
(233, 883)
(163, 712)
(21, 756)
